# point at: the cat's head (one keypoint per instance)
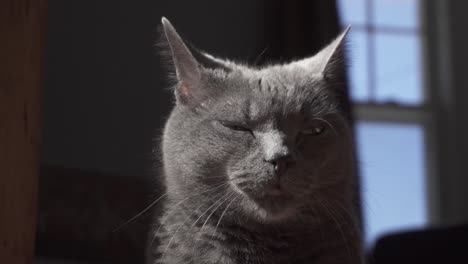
(271, 137)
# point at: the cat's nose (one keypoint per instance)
(281, 160)
(276, 150)
(279, 155)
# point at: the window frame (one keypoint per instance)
(397, 113)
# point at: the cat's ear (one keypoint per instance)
(331, 58)
(328, 62)
(187, 68)
(189, 65)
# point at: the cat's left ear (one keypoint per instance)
(189, 65)
(187, 68)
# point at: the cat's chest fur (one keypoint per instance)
(184, 242)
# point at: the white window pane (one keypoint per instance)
(393, 180)
(352, 11)
(398, 69)
(400, 13)
(358, 72)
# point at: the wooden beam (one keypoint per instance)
(22, 45)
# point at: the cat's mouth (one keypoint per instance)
(272, 190)
(272, 202)
(269, 198)
(275, 207)
(275, 198)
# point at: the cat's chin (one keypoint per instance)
(272, 208)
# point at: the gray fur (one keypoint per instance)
(251, 177)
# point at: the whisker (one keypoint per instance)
(150, 206)
(260, 55)
(213, 177)
(295, 184)
(351, 217)
(338, 225)
(316, 216)
(172, 211)
(212, 212)
(185, 220)
(336, 200)
(198, 219)
(139, 214)
(225, 209)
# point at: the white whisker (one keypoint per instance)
(172, 211)
(220, 202)
(183, 223)
(141, 213)
(225, 209)
(338, 225)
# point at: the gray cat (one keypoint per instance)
(258, 162)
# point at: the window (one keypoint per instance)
(389, 102)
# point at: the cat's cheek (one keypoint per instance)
(315, 148)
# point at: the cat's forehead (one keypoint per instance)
(280, 76)
(272, 92)
(284, 84)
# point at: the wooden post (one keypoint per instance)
(22, 46)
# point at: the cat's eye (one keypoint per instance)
(236, 127)
(314, 131)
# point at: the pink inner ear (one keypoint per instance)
(184, 90)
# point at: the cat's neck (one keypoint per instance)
(331, 236)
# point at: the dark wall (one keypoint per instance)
(105, 96)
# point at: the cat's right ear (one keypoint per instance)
(187, 68)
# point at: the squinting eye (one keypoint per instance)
(313, 131)
(236, 127)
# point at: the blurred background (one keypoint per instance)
(105, 101)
